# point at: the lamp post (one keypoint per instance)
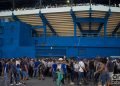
(109, 4)
(40, 6)
(13, 5)
(90, 3)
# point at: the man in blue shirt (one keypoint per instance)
(54, 68)
(64, 70)
(36, 65)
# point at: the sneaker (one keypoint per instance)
(11, 84)
(80, 83)
(17, 83)
(71, 83)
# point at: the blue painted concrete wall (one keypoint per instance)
(25, 35)
(81, 46)
(79, 41)
(15, 42)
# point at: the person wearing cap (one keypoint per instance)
(59, 72)
(59, 77)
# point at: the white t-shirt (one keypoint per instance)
(76, 67)
(59, 66)
(17, 62)
(81, 66)
(49, 64)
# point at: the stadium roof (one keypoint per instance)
(59, 9)
(7, 4)
(59, 16)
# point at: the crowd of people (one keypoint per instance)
(61, 70)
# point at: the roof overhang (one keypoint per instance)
(59, 9)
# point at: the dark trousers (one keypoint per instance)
(31, 71)
(13, 77)
(72, 75)
(64, 77)
(76, 76)
(0, 72)
(96, 78)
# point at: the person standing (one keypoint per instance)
(64, 71)
(76, 69)
(6, 71)
(41, 70)
(24, 69)
(118, 66)
(0, 68)
(72, 72)
(31, 65)
(81, 71)
(104, 75)
(110, 67)
(54, 69)
(13, 72)
(91, 69)
(36, 68)
(59, 72)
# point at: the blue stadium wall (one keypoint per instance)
(16, 41)
(84, 47)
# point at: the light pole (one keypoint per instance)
(40, 6)
(71, 3)
(109, 4)
(90, 3)
(13, 5)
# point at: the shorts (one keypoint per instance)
(24, 73)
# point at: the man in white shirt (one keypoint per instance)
(17, 62)
(81, 66)
(81, 70)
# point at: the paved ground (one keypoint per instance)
(46, 82)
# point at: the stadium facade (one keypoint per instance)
(77, 31)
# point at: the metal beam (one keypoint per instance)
(37, 27)
(87, 20)
(73, 15)
(74, 21)
(105, 29)
(90, 20)
(14, 17)
(107, 15)
(90, 31)
(90, 16)
(100, 27)
(34, 32)
(79, 26)
(106, 21)
(116, 29)
(44, 20)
